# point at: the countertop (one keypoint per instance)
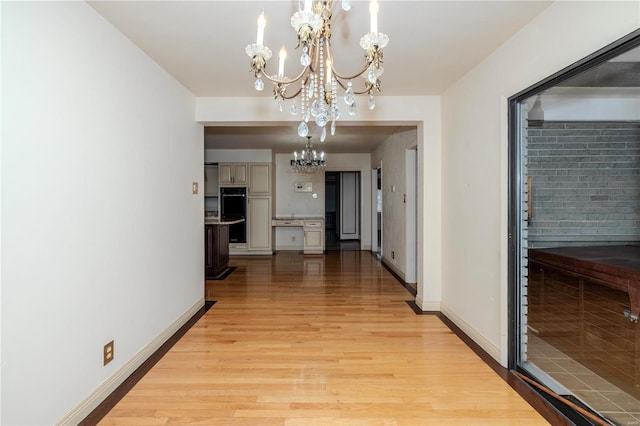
(217, 221)
(299, 218)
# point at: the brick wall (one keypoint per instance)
(586, 183)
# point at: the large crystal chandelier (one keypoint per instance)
(317, 83)
(309, 160)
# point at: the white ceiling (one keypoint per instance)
(432, 43)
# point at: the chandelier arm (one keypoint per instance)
(365, 91)
(293, 95)
(346, 77)
(276, 80)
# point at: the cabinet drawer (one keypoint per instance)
(313, 224)
(284, 222)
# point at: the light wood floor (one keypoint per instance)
(319, 340)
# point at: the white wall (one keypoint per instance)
(238, 155)
(392, 155)
(101, 236)
(289, 203)
(475, 164)
(591, 104)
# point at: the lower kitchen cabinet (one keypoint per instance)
(259, 223)
(216, 249)
(313, 237)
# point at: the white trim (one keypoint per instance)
(485, 344)
(428, 306)
(95, 398)
(289, 247)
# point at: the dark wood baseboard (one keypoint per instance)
(406, 285)
(105, 406)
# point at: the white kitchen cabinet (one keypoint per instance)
(259, 223)
(210, 180)
(259, 179)
(313, 237)
(233, 173)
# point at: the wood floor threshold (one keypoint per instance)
(526, 391)
(105, 406)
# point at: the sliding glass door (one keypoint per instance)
(575, 233)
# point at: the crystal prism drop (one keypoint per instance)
(353, 109)
(322, 119)
(335, 112)
(305, 59)
(333, 127)
(346, 5)
(372, 102)
(349, 96)
(259, 84)
(280, 105)
(303, 129)
(293, 109)
(315, 108)
(323, 135)
(306, 116)
(372, 76)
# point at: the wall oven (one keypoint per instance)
(233, 205)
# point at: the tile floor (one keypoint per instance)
(594, 391)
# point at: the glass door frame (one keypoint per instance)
(515, 179)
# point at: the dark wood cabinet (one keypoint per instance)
(216, 249)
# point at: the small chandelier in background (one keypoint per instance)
(309, 161)
(319, 80)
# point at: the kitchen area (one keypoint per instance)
(248, 214)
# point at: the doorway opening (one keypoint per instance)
(342, 211)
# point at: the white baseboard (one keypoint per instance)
(82, 410)
(289, 248)
(427, 306)
(485, 344)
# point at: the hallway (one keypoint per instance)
(319, 340)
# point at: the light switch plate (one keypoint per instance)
(303, 186)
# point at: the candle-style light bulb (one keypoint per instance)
(322, 155)
(262, 22)
(283, 56)
(295, 155)
(307, 5)
(373, 11)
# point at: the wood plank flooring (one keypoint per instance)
(318, 340)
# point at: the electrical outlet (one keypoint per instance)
(194, 187)
(393, 254)
(107, 353)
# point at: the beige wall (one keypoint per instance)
(391, 155)
(474, 157)
(102, 238)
